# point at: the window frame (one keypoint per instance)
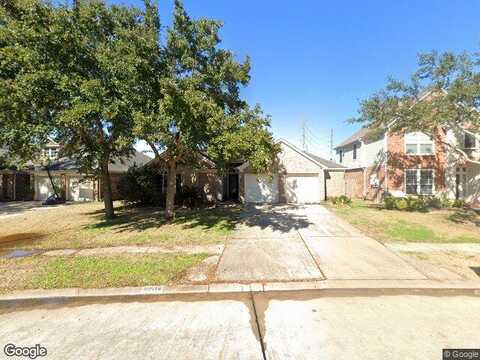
(418, 183)
(418, 144)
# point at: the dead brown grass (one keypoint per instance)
(83, 226)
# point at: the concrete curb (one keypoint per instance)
(472, 287)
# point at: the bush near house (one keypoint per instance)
(145, 186)
(341, 200)
(421, 203)
(142, 186)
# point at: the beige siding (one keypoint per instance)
(335, 183)
(293, 162)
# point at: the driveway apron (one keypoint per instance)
(305, 242)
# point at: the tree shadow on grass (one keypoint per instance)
(220, 218)
(464, 216)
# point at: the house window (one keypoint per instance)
(411, 182)
(469, 141)
(354, 151)
(51, 153)
(340, 155)
(419, 182)
(418, 143)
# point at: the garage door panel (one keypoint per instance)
(44, 187)
(302, 189)
(80, 189)
(261, 188)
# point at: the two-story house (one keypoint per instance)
(410, 163)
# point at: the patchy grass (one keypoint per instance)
(441, 226)
(416, 233)
(94, 271)
(83, 226)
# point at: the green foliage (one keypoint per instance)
(416, 204)
(408, 203)
(189, 196)
(112, 271)
(421, 203)
(444, 92)
(341, 200)
(97, 78)
(194, 100)
(142, 185)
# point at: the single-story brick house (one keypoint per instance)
(32, 182)
(299, 177)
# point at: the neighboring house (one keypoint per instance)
(299, 177)
(410, 163)
(33, 183)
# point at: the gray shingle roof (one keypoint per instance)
(117, 165)
(327, 163)
(355, 137)
(123, 164)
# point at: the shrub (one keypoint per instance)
(189, 196)
(341, 200)
(142, 185)
(446, 203)
(458, 203)
(401, 204)
(416, 204)
(390, 203)
(409, 203)
(433, 202)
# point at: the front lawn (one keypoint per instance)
(440, 226)
(40, 272)
(83, 226)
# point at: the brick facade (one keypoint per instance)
(354, 183)
(398, 161)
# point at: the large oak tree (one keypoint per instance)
(67, 73)
(194, 104)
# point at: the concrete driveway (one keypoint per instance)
(305, 242)
(20, 207)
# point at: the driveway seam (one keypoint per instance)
(260, 335)
(310, 252)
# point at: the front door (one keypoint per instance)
(232, 187)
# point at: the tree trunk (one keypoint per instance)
(171, 189)
(107, 192)
(54, 187)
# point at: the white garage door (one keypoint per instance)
(302, 189)
(261, 189)
(80, 189)
(43, 187)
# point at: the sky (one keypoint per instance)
(313, 61)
